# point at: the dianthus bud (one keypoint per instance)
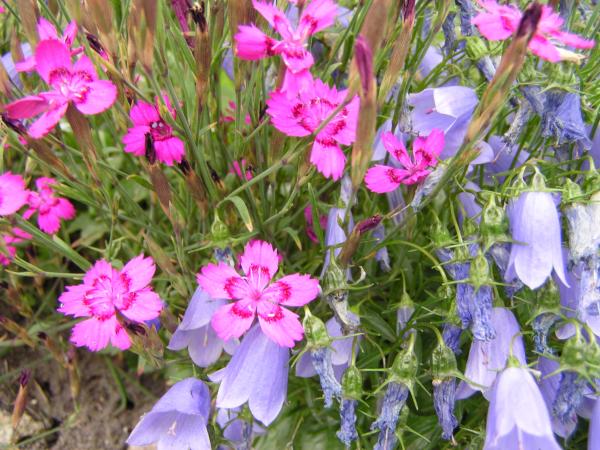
(351, 244)
(21, 400)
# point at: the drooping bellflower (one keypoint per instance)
(195, 332)
(106, 291)
(517, 415)
(257, 374)
(256, 293)
(536, 248)
(444, 387)
(487, 358)
(178, 420)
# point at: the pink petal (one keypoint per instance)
(297, 59)
(13, 194)
(69, 33)
(328, 158)
(318, 15)
(295, 82)
(287, 115)
(233, 320)
(100, 270)
(259, 260)
(141, 305)
(293, 290)
(138, 272)
(170, 150)
(46, 30)
(47, 121)
(396, 148)
(49, 222)
(279, 324)
(275, 17)
(252, 44)
(382, 179)
(27, 107)
(492, 27)
(84, 64)
(51, 55)
(72, 301)
(94, 333)
(64, 209)
(143, 113)
(135, 140)
(27, 65)
(120, 339)
(222, 281)
(572, 40)
(100, 97)
(543, 48)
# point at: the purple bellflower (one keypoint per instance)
(196, 333)
(178, 420)
(535, 228)
(257, 374)
(594, 433)
(393, 402)
(236, 430)
(488, 358)
(517, 415)
(446, 108)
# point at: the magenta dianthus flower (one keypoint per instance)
(253, 44)
(146, 119)
(105, 292)
(413, 170)
(499, 22)
(15, 236)
(71, 83)
(13, 194)
(51, 209)
(256, 294)
(303, 114)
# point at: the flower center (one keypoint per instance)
(160, 130)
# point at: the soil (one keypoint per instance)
(100, 419)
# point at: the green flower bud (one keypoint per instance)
(476, 48)
(479, 274)
(443, 363)
(352, 383)
(548, 297)
(574, 354)
(494, 222)
(572, 192)
(219, 232)
(404, 369)
(316, 332)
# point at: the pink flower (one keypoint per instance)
(310, 225)
(231, 113)
(256, 293)
(50, 209)
(47, 31)
(301, 116)
(105, 292)
(13, 194)
(242, 169)
(77, 83)
(413, 170)
(15, 236)
(146, 119)
(252, 43)
(499, 22)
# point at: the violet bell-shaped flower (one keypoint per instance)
(517, 415)
(536, 234)
(196, 333)
(445, 108)
(257, 374)
(178, 420)
(487, 358)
